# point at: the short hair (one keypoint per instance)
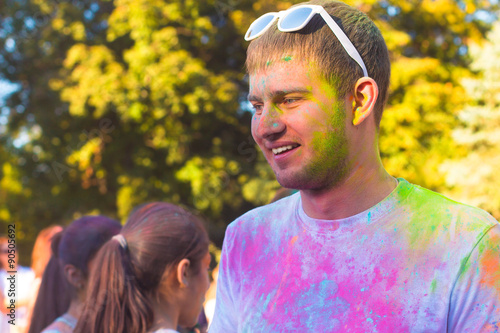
(316, 43)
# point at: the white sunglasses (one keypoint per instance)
(296, 18)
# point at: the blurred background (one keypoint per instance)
(105, 105)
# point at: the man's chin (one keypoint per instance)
(292, 182)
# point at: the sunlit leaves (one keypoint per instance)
(475, 178)
(167, 79)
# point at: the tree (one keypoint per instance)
(39, 132)
(126, 109)
(428, 41)
(126, 101)
(475, 178)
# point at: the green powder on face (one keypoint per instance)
(287, 58)
(331, 146)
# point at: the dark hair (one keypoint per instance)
(76, 245)
(53, 296)
(317, 44)
(158, 236)
(83, 238)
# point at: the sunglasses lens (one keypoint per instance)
(259, 25)
(295, 19)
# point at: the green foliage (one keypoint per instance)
(475, 178)
(427, 41)
(128, 101)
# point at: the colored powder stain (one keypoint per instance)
(294, 239)
(433, 285)
(287, 58)
(333, 145)
(365, 289)
(327, 285)
(275, 125)
(464, 266)
(328, 88)
(365, 237)
(268, 299)
(490, 275)
(333, 226)
(369, 320)
(370, 217)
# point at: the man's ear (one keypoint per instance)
(365, 97)
(74, 276)
(182, 272)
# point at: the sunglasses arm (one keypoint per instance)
(344, 40)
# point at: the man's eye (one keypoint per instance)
(257, 107)
(290, 100)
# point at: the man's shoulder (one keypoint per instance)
(428, 203)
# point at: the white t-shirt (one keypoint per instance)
(415, 262)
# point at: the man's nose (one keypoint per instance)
(269, 123)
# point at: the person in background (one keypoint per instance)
(75, 250)
(152, 277)
(25, 277)
(40, 256)
(53, 298)
(41, 253)
(209, 305)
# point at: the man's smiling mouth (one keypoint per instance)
(280, 150)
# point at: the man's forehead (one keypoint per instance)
(283, 73)
(286, 77)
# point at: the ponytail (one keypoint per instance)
(129, 268)
(116, 303)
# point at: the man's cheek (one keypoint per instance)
(254, 125)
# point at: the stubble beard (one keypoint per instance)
(328, 170)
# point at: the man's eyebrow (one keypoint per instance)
(254, 98)
(278, 93)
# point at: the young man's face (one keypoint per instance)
(300, 125)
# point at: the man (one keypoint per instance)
(356, 250)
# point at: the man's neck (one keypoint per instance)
(359, 191)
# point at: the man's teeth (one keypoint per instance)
(281, 149)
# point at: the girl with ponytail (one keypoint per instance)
(64, 283)
(151, 277)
